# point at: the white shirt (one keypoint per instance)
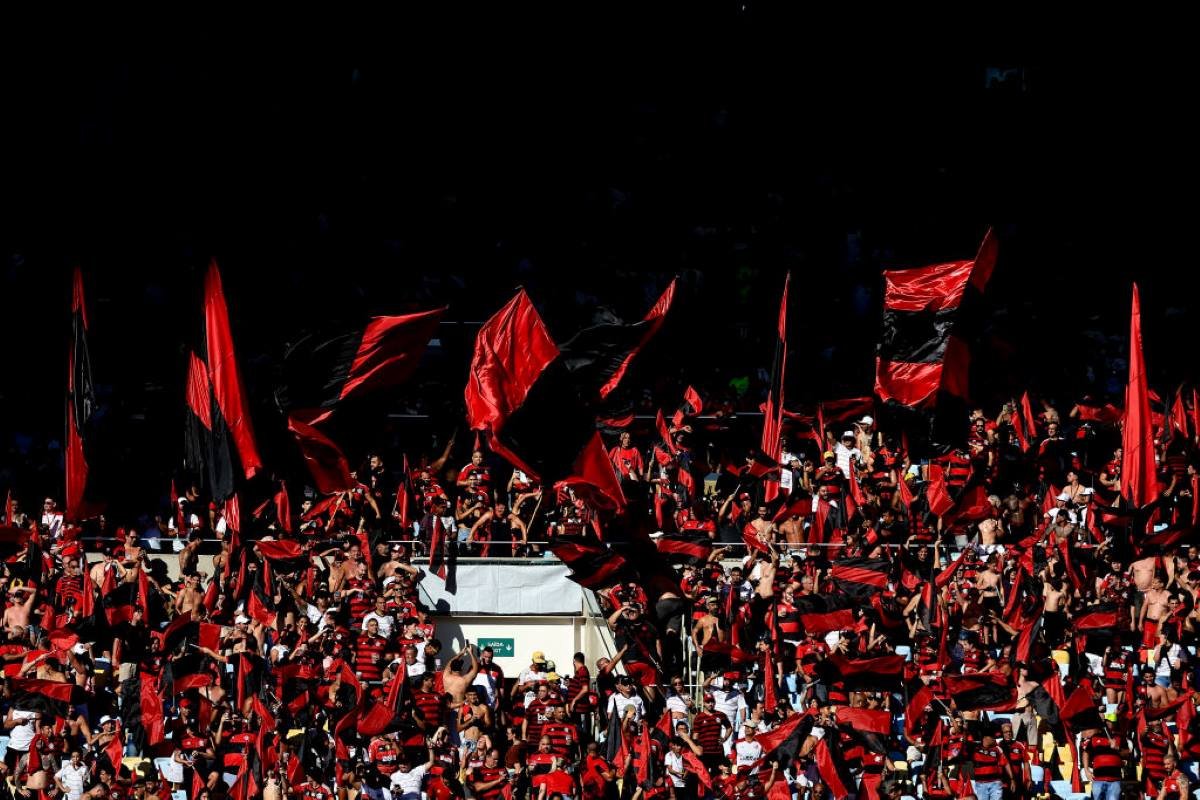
(418, 668)
(74, 779)
(53, 521)
(619, 702)
(676, 704)
(407, 785)
(729, 701)
(747, 753)
(674, 763)
(844, 455)
(386, 622)
(21, 735)
(526, 676)
(487, 685)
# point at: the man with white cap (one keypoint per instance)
(845, 451)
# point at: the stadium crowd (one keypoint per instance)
(991, 622)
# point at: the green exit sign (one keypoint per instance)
(501, 648)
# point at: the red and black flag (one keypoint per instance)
(882, 673)
(142, 710)
(1080, 712)
(326, 462)
(773, 408)
(386, 717)
(786, 738)
(691, 407)
(922, 350)
(869, 727)
(646, 329)
(981, 691)
(861, 577)
(118, 599)
(538, 402)
(285, 555)
(220, 440)
(593, 566)
(681, 548)
(81, 408)
(324, 369)
(822, 613)
(833, 769)
(735, 654)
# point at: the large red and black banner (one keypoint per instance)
(81, 406)
(538, 401)
(220, 436)
(922, 349)
(323, 370)
(773, 408)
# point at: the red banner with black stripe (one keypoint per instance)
(773, 408)
(922, 351)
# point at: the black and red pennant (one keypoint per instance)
(922, 350)
(323, 370)
(861, 577)
(538, 402)
(220, 440)
(81, 408)
(773, 408)
(981, 691)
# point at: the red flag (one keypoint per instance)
(257, 610)
(152, 708)
(655, 317)
(660, 423)
(693, 763)
(593, 477)
(1196, 411)
(511, 351)
(326, 462)
(81, 404)
(1179, 415)
(773, 411)
(283, 508)
(750, 537)
(692, 406)
(115, 749)
(906, 496)
(936, 493)
(770, 684)
(1018, 428)
(223, 372)
(919, 353)
(1030, 421)
(1138, 472)
(403, 496)
(437, 561)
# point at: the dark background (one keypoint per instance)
(412, 165)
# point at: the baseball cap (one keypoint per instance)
(538, 657)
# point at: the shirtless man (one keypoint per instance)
(189, 598)
(189, 556)
(455, 683)
(109, 563)
(1156, 607)
(762, 525)
(793, 530)
(988, 581)
(16, 616)
(707, 628)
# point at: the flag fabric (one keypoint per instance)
(867, 727)
(861, 577)
(884, 672)
(352, 362)
(682, 548)
(981, 691)
(286, 555)
(81, 408)
(325, 461)
(220, 440)
(593, 478)
(437, 548)
(1179, 415)
(922, 351)
(648, 327)
(538, 401)
(833, 770)
(773, 409)
(691, 407)
(1139, 483)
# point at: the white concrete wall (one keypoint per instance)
(558, 637)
